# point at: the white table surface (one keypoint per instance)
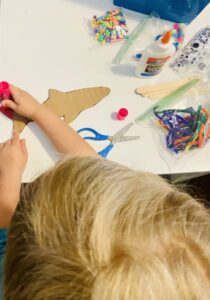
(46, 44)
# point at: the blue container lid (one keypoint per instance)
(180, 11)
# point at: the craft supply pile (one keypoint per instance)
(185, 128)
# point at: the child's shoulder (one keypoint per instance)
(3, 239)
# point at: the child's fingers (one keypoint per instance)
(15, 138)
(7, 143)
(9, 103)
(23, 146)
(15, 92)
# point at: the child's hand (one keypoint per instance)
(13, 158)
(23, 103)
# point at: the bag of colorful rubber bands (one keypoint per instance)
(183, 131)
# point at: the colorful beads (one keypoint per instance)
(110, 27)
(185, 129)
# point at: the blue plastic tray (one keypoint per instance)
(182, 11)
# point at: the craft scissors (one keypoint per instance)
(117, 138)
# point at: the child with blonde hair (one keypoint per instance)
(91, 229)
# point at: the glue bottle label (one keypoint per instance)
(154, 65)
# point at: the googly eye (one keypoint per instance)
(196, 45)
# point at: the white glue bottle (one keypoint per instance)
(155, 56)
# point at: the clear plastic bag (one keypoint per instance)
(109, 28)
(142, 35)
(149, 30)
(195, 56)
(184, 140)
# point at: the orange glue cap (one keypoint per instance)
(166, 38)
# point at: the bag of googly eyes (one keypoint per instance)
(193, 57)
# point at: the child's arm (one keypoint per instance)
(13, 158)
(65, 139)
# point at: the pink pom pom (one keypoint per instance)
(176, 26)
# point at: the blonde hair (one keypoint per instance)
(91, 229)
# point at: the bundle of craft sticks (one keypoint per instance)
(158, 91)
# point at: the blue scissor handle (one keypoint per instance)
(106, 150)
(97, 137)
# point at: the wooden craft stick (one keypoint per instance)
(161, 87)
(159, 91)
(168, 86)
(198, 90)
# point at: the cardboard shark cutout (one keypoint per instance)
(67, 104)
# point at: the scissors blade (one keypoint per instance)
(120, 133)
(127, 138)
